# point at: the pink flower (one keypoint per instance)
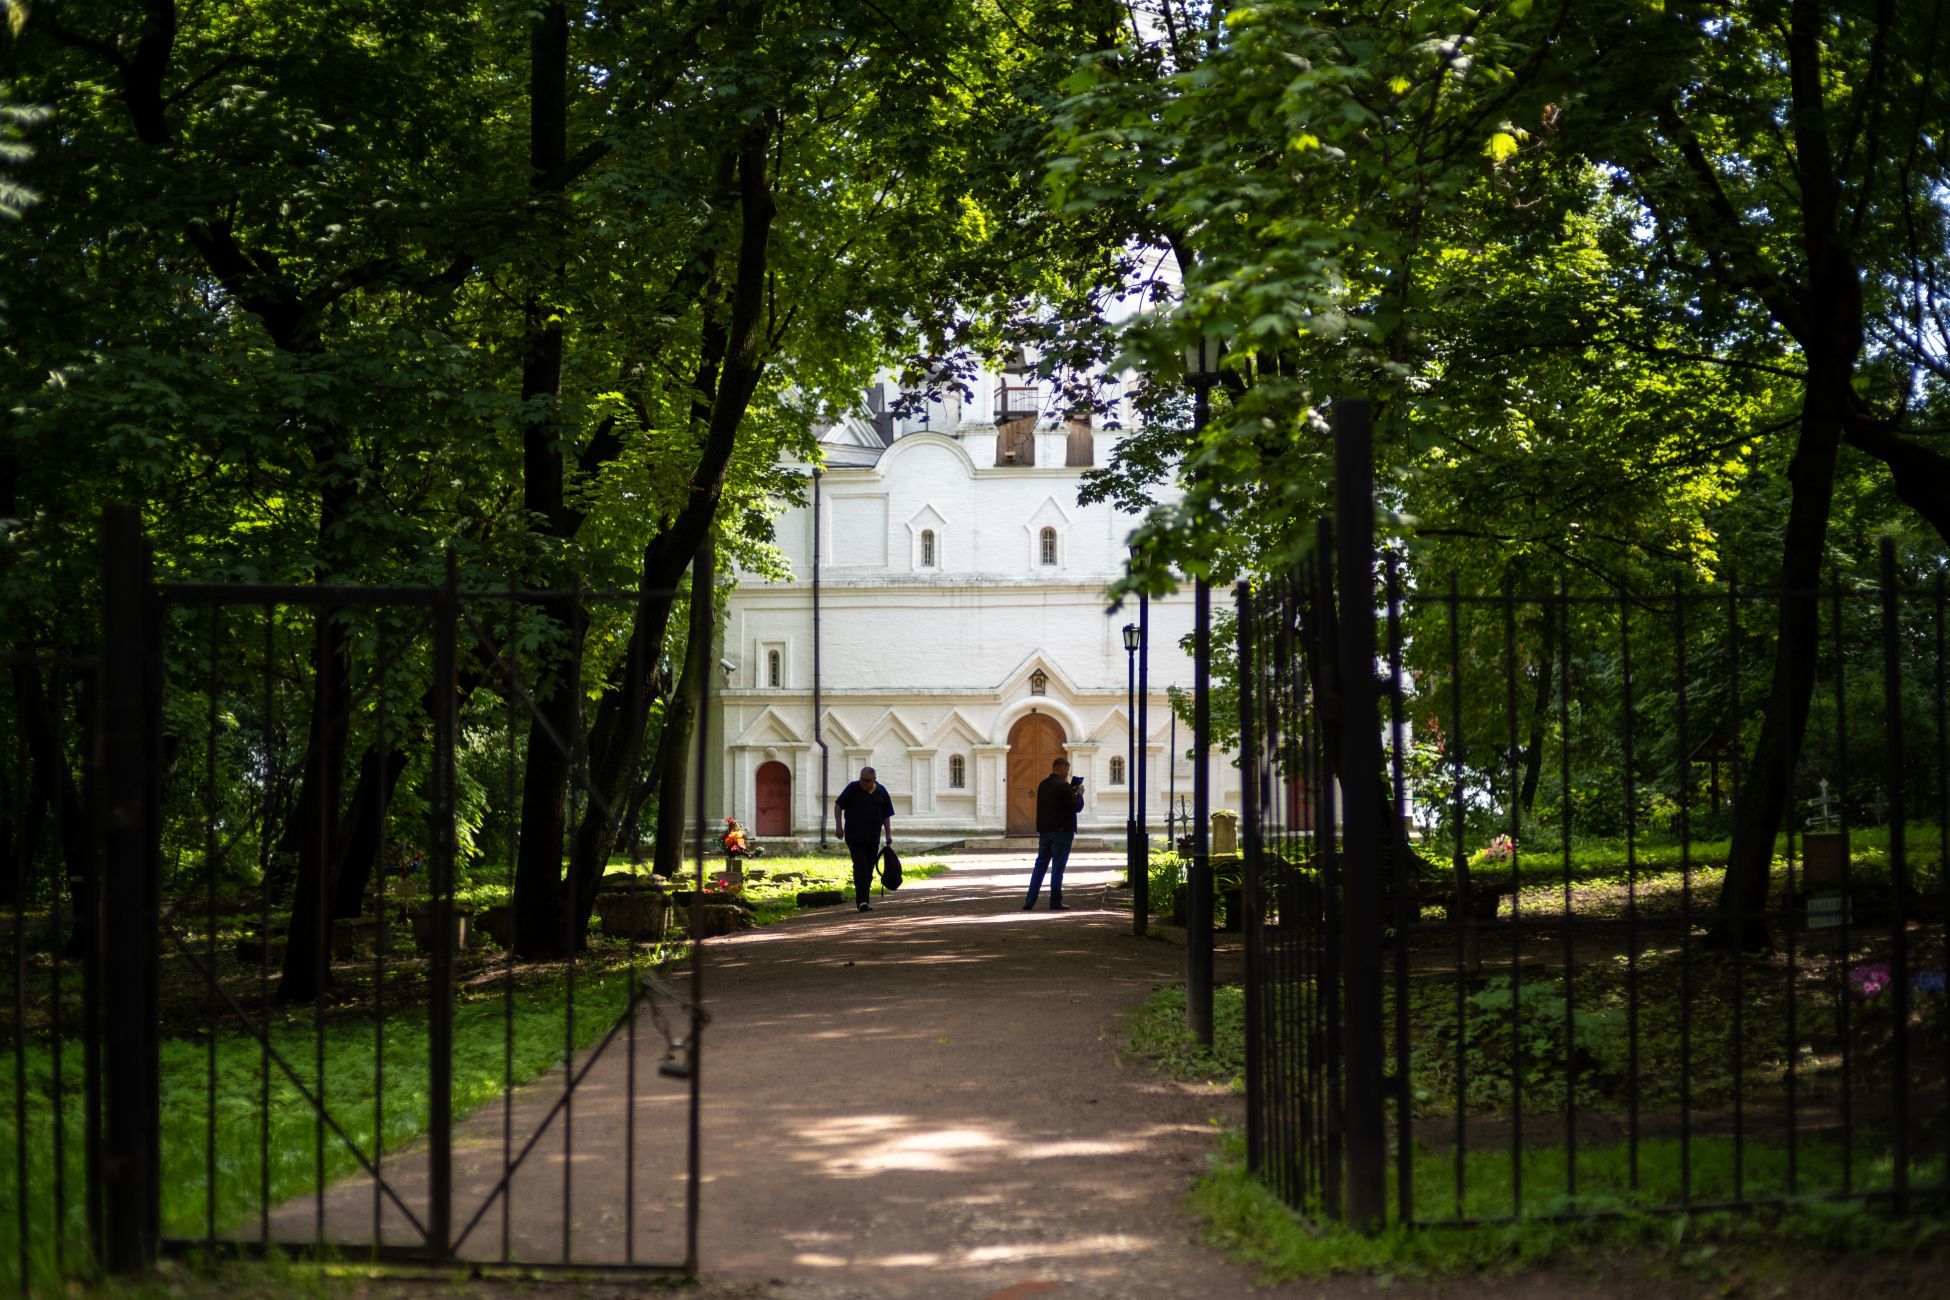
(1869, 979)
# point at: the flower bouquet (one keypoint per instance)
(737, 842)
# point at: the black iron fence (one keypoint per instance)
(277, 981)
(1590, 957)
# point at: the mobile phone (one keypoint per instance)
(1076, 780)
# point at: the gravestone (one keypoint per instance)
(1225, 834)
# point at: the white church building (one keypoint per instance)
(947, 625)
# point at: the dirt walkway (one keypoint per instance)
(924, 1100)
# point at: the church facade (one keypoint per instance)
(947, 625)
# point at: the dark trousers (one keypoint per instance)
(1053, 854)
(866, 855)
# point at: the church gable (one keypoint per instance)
(769, 728)
(836, 732)
(890, 726)
(1036, 675)
(1115, 729)
(956, 729)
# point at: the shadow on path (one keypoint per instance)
(924, 1099)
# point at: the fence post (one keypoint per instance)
(1251, 810)
(131, 892)
(1361, 800)
(1198, 876)
(1898, 770)
(440, 972)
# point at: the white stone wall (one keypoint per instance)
(925, 664)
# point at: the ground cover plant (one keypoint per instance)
(1244, 1216)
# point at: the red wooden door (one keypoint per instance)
(1299, 808)
(774, 800)
(1034, 743)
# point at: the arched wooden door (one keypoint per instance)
(1034, 743)
(774, 801)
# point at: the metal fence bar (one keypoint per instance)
(210, 928)
(1837, 631)
(1563, 618)
(440, 864)
(271, 784)
(1406, 906)
(1515, 817)
(1198, 877)
(704, 577)
(23, 1196)
(1738, 919)
(1251, 809)
(1463, 911)
(1942, 812)
(1893, 749)
(132, 758)
(1362, 798)
(1632, 940)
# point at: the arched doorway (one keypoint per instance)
(1035, 742)
(774, 803)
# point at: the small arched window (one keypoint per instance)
(927, 548)
(774, 668)
(957, 772)
(1117, 769)
(1049, 546)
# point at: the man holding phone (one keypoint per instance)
(1058, 801)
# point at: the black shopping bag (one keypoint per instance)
(890, 868)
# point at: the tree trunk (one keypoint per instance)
(721, 403)
(1533, 754)
(681, 723)
(365, 830)
(315, 821)
(553, 733)
(651, 780)
(1765, 787)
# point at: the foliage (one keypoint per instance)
(1156, 1034)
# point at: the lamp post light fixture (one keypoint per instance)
(1202, 359)
(1133, 864)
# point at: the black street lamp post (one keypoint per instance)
(1201, 372)
(1132, 867)
(1141, 887)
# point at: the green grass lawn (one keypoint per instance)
(353, 1054)
(1244, 1216)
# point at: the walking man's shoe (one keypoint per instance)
(866, 907)
(1059, 907)
(1028, 907)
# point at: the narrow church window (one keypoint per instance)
(927, 548)
(957, 772)
(1049, 546)
(772, 668)
(1117, 769)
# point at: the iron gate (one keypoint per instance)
(427, 1095)
(1506, 921)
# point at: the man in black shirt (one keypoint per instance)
(1058, 801)
(864, 809)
